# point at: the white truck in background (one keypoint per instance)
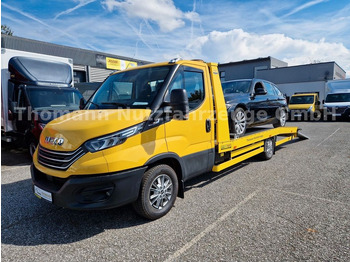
(31, 84)
(337, 102)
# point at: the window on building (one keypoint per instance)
(222, 74)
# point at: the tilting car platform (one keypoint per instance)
(253, 144)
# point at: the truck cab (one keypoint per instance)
(34, 91)
(141, 136)
(337, 105)
(304, 106)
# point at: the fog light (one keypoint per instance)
(95, 194)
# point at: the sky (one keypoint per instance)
(295, 31)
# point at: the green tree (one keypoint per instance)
(6, 30)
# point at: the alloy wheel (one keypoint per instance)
(161, 191)
(240, 122)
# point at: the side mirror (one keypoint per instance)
(317, 103)
(322, 101)
(179, 104)
(82, 103)
(260, 91)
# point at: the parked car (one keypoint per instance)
(337, 104)
(252, 102)
(87, 89)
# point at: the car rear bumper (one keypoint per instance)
(90, 192)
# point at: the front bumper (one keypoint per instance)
(338, 111)
(91, 192)
(299, 113)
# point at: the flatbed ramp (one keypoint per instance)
(253, 144)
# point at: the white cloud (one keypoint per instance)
(236, 45)
(162, 12)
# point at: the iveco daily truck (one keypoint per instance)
(142, 135)
(35, 89)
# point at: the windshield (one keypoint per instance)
(298, 100)
(130, 89)
(343, 97)
(236, 87)
(54, 98)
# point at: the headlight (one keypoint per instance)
(310, 109)
(114, 139)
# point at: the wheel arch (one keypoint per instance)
(175, 162)
(241, 105)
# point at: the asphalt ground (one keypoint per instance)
(294, 207)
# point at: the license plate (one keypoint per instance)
(40, 193)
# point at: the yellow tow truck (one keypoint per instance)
(141, 136)
(303, 106)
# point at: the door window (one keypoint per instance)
(193, 83)
(21, 99)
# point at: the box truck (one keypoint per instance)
(35, 89)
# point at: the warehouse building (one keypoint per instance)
(88, 66)
(289, 79)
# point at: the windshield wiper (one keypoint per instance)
(115, 104)
(98, 106)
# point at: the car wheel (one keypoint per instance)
(239, 121)
(269, 149)
(32, 143)
(281, 117)
(158, 192)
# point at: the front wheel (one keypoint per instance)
(239, 122)
(158, 192)
(281, 117)
(32, 143)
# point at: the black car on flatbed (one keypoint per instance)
(252, 102)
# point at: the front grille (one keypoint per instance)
(61, 160)
(340, 110)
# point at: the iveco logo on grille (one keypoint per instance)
(54, 140)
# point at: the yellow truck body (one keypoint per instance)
(101, 158)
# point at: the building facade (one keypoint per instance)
(248, 69)
(88, 66)
(289, 79)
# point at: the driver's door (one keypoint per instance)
(193, 139)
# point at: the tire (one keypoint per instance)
(269, 149)
(239, 122)
(159, 188)
(282, 118)
(32, 143)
